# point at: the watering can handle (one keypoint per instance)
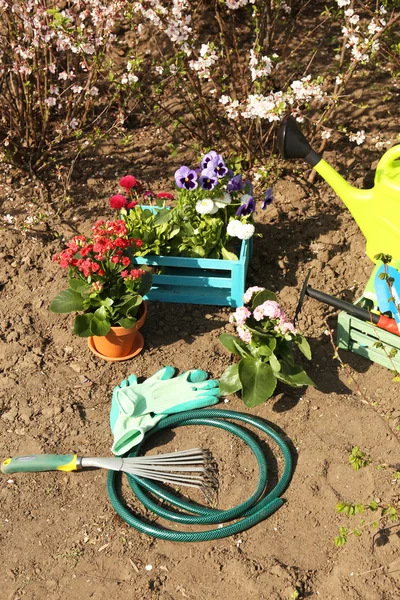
(389, 157)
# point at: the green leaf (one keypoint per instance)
(229, 382)
(294, 376)
(162, 216)
(258, 381)
(78, 285)
(67, 301)
(274, 362)
(99, 326)
(262, 297)
(145, 284)
(261, 351)
(82, 325)
(107, 302)
(232, 343)
(226, 255)
(127, 322)
(304, 347)
(101, 313)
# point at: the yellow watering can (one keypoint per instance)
(376, 211)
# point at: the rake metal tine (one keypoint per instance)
(182, 453)
(170, 468)
(167, 479)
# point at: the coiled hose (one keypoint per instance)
(250, 512)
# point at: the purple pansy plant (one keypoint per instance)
(186, 178)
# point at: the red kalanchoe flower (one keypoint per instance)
(115, 260)
(165, 195)
(138, 243)
(126, 261)
(124, 273)
(131, 204)
(118, 201)
(128, 182)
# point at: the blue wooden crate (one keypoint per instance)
(199, 280)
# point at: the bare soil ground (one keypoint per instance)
(60, 538)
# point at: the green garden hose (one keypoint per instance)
(250, 512)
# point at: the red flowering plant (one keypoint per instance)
(144, 221)
(103, 286)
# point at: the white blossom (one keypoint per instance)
(224, 201)
(358, 137)
(206, 207)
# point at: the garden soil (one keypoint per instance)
(59, 536)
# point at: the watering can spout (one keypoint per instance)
(376, 210)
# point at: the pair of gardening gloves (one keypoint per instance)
(138, 407)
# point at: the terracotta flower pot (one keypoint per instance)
(120, 343)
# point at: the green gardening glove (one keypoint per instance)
(138, 407)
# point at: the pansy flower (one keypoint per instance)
(219, 167)
(235, 184)
(208, 179)
(247, 207)
(268, 199)
(186, 178)
(208, 158)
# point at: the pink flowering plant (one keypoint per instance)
(103, 284)
(265, 341)
(213, 210)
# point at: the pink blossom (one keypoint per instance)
(270, 309)
(248, 295)
(287, 327)
(244, 334)
(240, 315)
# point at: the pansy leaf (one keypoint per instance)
(163, 216)
(229, 382)
(304, 347)
(82, 325)
(67, 301)
(258, 381)
(262, 297)
(226, 255)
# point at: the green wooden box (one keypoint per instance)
(360, 337)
